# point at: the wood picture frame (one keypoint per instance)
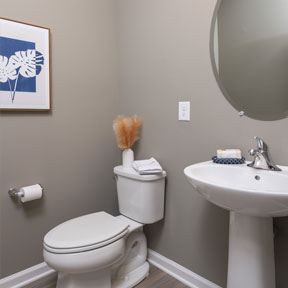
(25, 66)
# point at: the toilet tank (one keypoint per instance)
(140, 197)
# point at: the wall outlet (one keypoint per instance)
(184, 111)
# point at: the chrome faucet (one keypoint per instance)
(262, 159)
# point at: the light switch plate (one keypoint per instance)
(184, 111)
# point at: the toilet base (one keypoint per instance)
(125, 273)
(99, 279)
(133, 278)
(102, 279)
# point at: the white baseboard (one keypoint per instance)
(38, 276)
(179, 272)
(42, 276)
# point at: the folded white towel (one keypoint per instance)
(229, 153)
(148, 166)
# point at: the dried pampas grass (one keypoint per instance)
(126, 130)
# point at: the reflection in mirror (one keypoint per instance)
(249, 52)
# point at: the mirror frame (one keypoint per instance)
(232, 102)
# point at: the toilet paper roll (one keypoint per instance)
(30, 193)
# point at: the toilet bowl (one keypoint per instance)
(103, 257)
(103, 251)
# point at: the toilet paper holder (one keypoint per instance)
(16, 193)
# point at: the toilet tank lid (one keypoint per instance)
(84, 231)
(131, 173)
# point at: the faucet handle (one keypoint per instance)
(252, 152)
(261, 145)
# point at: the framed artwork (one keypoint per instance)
(25, 78)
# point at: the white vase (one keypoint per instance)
(127, 158)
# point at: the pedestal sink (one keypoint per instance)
(253, 197)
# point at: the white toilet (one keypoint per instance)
(103, 251)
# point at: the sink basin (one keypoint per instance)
(253, 197)
(242, 189)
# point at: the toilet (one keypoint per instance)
(104, 251)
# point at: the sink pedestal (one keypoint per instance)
(251, 252)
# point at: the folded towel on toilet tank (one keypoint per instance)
(147, 166)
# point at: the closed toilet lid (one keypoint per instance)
(85, 233)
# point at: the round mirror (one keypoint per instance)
(249, 53)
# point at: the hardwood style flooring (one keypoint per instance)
(159, 279)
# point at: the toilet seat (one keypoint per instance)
(85, 233)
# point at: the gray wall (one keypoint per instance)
(164, 58)
(71, 151)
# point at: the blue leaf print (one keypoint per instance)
(39, 62)
(27, 63)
